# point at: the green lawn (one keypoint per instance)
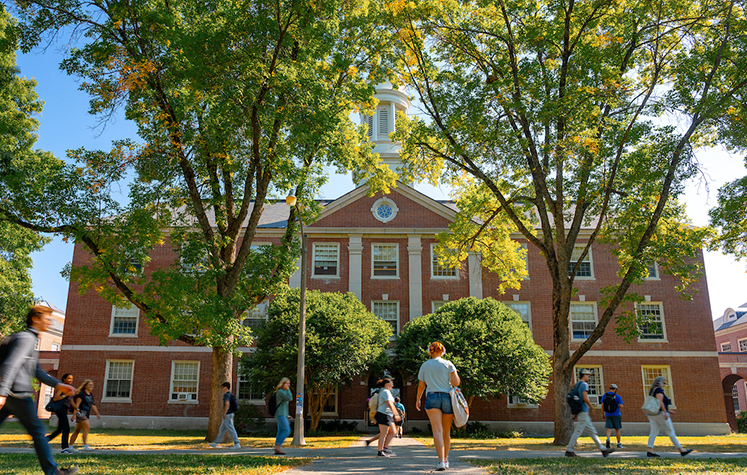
(136, 464)
(612, 466)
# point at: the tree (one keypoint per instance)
(234, 101)
(490, 346)
(18, 103)
(730, 215)
(572, 123)
(343, 340)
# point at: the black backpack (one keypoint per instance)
(233, 404)
(272, 405)
(609, 403)
(574, 399)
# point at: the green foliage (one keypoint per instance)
(249, 418)
(343, 340)
(730, 215)
(742, 422)
(337, 426)
(488, 343)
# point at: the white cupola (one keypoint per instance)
(382, 123)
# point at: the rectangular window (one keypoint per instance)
(653, 270)
(651, 372)
(256, 316)
(244, 389)
(385, 258)
(523, 309)
(742, 345)
(583, 318)
(55, 347)
(330, 404)
(49, 392)
(383, 123)
(514, 401)
(388, 311)
(726, 347)
(652, 325)
(436, 304)
(118, 379)
(735, 397)
(438, 270)
(326, 259)
(596, 382)
(585, 269)
(184, 380)
(124, 321)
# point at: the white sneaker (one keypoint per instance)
(236, 446)
(87, 447)
(440, 467)
(213, 445)
(446, 462)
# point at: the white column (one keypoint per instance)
(393, 116)
(355, 265)
(414, 254)
(475, 275)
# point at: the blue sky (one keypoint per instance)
(66, 124)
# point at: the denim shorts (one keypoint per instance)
(440, 401)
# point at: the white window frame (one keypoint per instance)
(735, 398)
(395, 302)
(667, 373)
(171, 385)
(570, 317)
(723, 350)
(106, 381)
(508, 304)
(335, 394)
(114, 315)
(436, 267)
(663, 338)
(742, 345)
(518, 403)
(242, 379)
(656, 271)
(55, 347)
(328, 245)
(589, 259)
(595, 399)
(373, 261)
(258, 312)
(436, 304)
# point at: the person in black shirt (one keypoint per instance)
(63, 424)
(83, 404)
(230, 404)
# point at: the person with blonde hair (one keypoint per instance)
(83, 403)
(282, 397)
(662, 421)
(437, 376)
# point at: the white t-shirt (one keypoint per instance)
(436, 374)
(384, 396)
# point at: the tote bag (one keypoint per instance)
(459, 406)
(651, 406)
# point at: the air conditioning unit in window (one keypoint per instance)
(185, 396)
(594, 399)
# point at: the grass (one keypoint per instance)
(612, 466)
(12, 434)
(161, 464)
(720, 443)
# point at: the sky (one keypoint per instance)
(65, 124)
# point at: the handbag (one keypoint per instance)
(459, 406)
(55, 406)
(651, 406)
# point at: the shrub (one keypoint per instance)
(742, 422)
(249, 418)
(337, 426)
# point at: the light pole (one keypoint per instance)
(298, 438)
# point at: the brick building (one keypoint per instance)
(731, 341)
(381, 249)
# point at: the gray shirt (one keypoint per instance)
(436, 374)
(21, 364)
(385, 395)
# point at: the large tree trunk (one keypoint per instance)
(562, 372)
(563, 418)
(222, 372)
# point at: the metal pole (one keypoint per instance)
(298, 438)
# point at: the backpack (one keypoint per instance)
(233, 403)
(373, 406)
(574, 399)
(272, 405)
(609, 403)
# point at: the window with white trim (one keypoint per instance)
(329, 408)
(55, 347)
(585, 268)
(48, 394)
(326, 259)
(439, 271)
(388, 311)
(184, 380)
(385, 258)
(726, 347)
(523, 309)
(596, 382)
(383, 118)
(244, 389)
(436, 304)
(583, 317)
(652, 325)
(255, 316)
(651, 372)
(118, 379)
(517, 402)
(735, 397)
(124, 321)
(742, 345)
(653, 270)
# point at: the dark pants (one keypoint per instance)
(63, 427)
(25, 411)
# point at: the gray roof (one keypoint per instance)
(719, 324)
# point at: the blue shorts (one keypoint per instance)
(440, 401)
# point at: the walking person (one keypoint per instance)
(83, 403)
(401, 410)
(612, 403)
(282, 397)
(437, 376)
(663, 420)
(230, 406)
(583, 419)
(386, 415)
(19, 362)
(63, 424)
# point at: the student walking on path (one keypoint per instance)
(437, 376)
(612, 403)
(583, 420)
(19, 362)
(83, 403)
(230, 406)
(662, 421)
(401, 409)
(282, 397)
(386, 414)
(63, 423)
